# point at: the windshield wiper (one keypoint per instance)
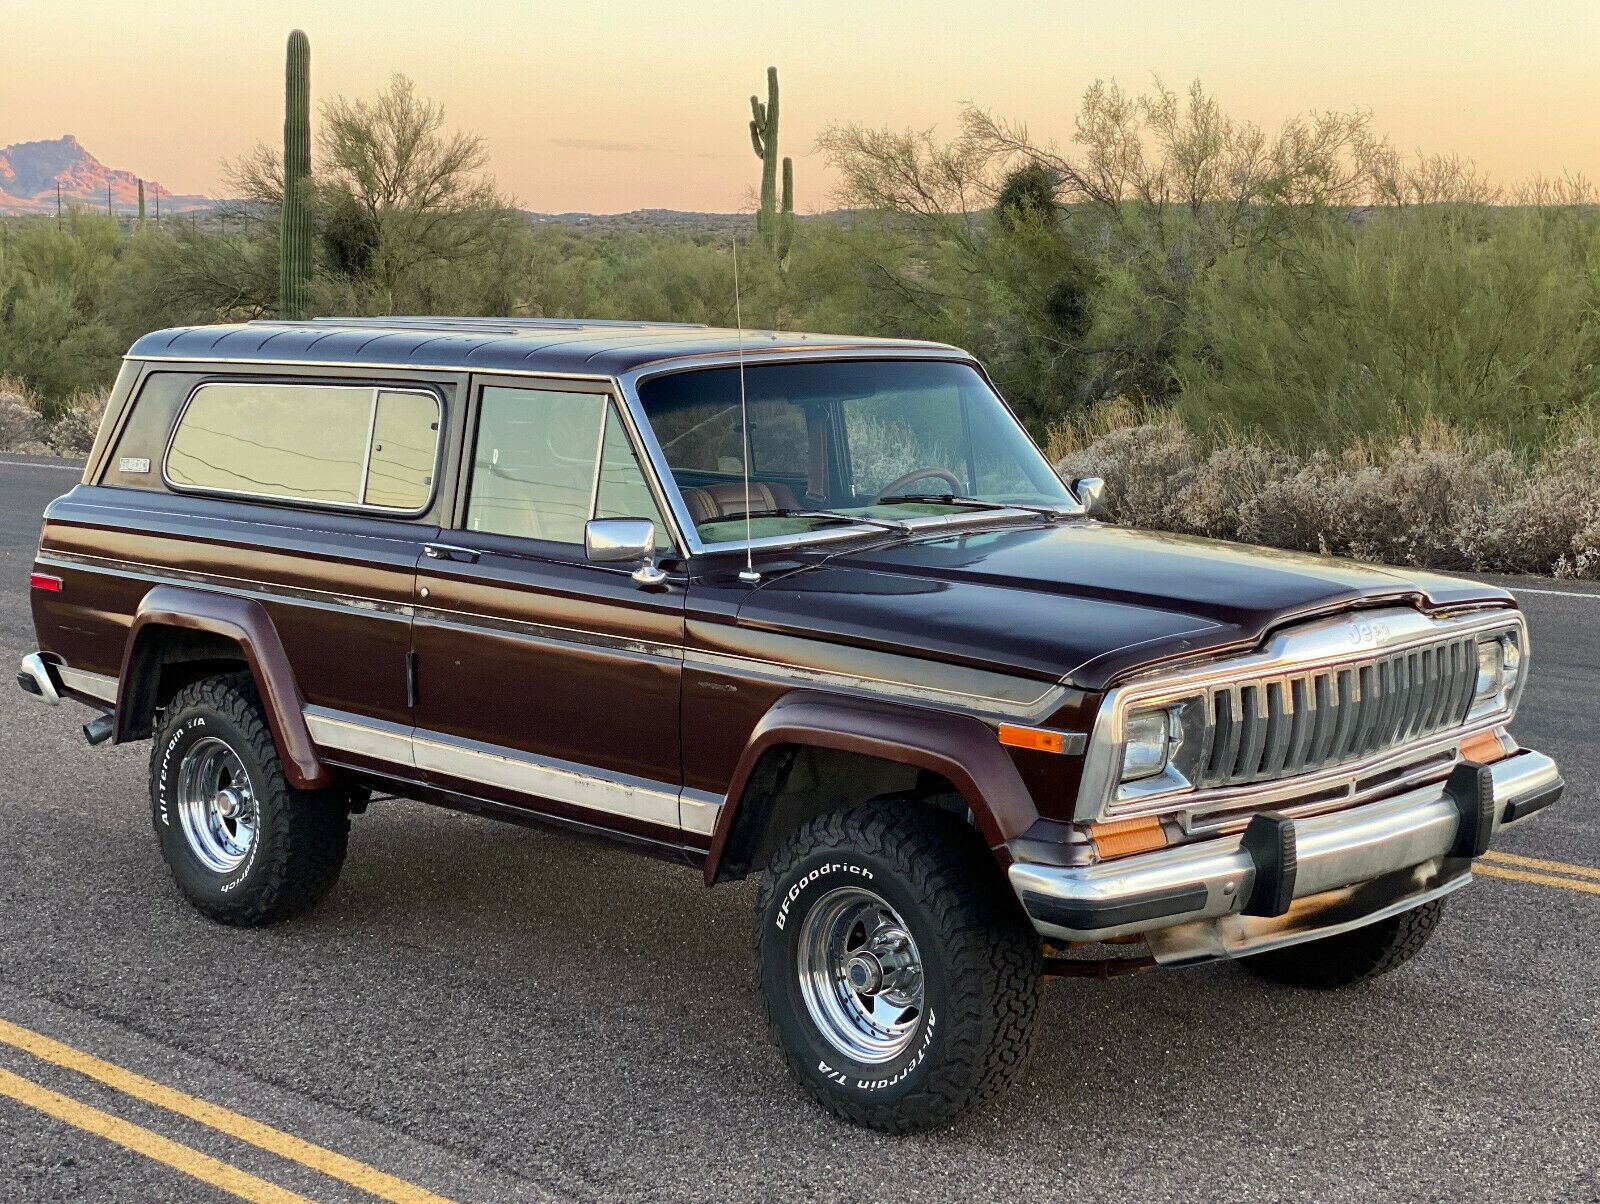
(887, 524)
(974, 503)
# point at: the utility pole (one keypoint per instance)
(108, 200)
(58, 205)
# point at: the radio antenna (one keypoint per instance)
(748, 575)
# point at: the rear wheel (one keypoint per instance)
(1350, 957)
(899, 976)
(242, 845)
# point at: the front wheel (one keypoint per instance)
(899, 976)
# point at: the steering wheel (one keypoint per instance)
(893, 488)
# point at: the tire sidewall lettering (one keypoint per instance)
(174, 743)
(792, 895)
(842, 1079)
(842, 1073)
(164, 778)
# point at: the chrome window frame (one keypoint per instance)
(623, 387)
(1318, 644)
(359, 507)
(628, 384)
(603, 387)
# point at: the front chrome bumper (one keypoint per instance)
(1283, 881)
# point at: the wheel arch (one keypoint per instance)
(959, 750)
(200, 630)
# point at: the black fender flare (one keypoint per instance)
(246, 623)
(963, 749)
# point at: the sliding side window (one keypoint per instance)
(333, 444)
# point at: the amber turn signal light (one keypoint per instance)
(1125, 836)
(1036, 738)
(1483, 749)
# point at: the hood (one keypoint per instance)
(1078, 602)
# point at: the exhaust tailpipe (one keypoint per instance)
(98, 731)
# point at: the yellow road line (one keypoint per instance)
(142, 1141)
(357, 1174)
(1498, 871)
(1538, 863)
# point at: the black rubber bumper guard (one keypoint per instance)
(1270, 838)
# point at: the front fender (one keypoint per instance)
(962, 749)
(247, 623)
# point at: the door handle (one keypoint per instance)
(445, 551)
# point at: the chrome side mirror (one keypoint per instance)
(624, 541)
(1091, 494)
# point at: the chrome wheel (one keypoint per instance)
(860, 975)
(216, 805)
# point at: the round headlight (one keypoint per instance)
(1147, 737)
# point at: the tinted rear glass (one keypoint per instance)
(335, 444)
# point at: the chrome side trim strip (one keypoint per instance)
(561, 781)
(263, 589)
(95, 685)
(698, 811)
(365, 737)
(461, 620)
(511, 769)
(121, 510)
(896, 677)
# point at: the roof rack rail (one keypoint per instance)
(480, 324)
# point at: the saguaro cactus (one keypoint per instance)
(294, 268)
(141, 202)
(775, 226)
(786, 214)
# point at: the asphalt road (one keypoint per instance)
(492, 1013)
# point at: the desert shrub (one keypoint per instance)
(1438, 500)
(71, 432)
(19, 418)
(1478, 319)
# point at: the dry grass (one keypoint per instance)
(1436, 498)
(70, 433)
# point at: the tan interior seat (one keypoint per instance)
(710, 502)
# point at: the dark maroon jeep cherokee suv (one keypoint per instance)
(805, 607)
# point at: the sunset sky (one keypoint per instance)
(609, 106)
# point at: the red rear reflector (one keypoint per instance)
(45, 581)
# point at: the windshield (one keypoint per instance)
(866, 439)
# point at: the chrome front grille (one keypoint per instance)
(1267, 728)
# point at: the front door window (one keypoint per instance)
(546, 462)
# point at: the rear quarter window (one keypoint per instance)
(135, 458)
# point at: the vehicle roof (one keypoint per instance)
(578, 346)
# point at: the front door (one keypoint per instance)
(544, 681)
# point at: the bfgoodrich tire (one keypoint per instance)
(243, 846)
(1350, 957)
(899, 976)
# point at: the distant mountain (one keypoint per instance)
(690, 221)
(675, 221)
(30, 171)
